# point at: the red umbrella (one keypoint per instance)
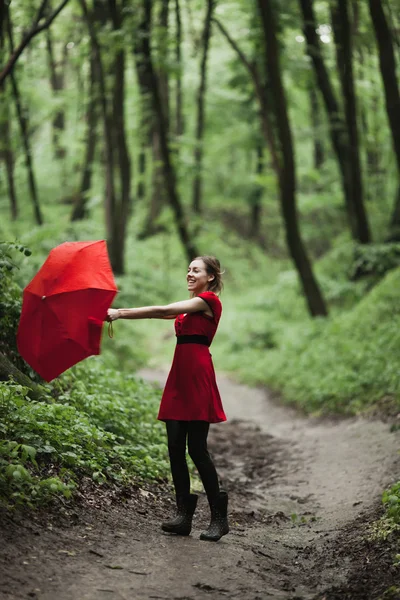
(64, 307)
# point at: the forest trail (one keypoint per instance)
(300, 492)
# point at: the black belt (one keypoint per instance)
(192, 339)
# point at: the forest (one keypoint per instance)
(264, 133)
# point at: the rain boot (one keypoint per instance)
(182, 523)
(219, 519)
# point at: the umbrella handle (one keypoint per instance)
(110, 330)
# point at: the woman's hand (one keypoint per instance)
(113, 314)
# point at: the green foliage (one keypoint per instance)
(391, 502)
(102, 425)
(375, 260)
(10, 300)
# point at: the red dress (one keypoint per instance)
(191, 392)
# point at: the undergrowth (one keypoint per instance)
(100, 424)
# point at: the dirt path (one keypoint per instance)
(300, 492)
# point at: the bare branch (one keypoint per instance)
(35, 29)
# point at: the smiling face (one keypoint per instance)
(197, 277)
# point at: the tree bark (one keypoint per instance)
(198, 152)
(319, 154)
(25, 135)
(7, 370)
(143, 43)
(287, 179)
(6, 151)
(337, 126)
(57, 84)
(80, 209)
(7, 154)
(262, 97)
(110, 199)
(342, 30)
(120, 213)
(179, 127)
(387, 65)
(255, 216)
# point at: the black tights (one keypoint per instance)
(196, 433)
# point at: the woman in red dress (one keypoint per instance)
(191, 399)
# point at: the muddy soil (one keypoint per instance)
(302, 493)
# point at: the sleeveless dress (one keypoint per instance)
(191, 392)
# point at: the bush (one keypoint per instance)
(102, 425)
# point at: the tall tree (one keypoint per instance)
(179, 125)
(342, 30)
(80, 202)
(26, 141)
(198, 152)
(143, 42)
(319, 154)
(387, 65)
(57, 72)
(338, 130)
(287, 178)
(117, 162)
(34, 29)
(6, 151)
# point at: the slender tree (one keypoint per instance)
(387, 65)
(338, 130)
(257, 193)
(57, 72)
(342, 30)
(319, 154)
(24, 134)
(287, 179)
(31, 33)
(80, 204)
(179, 125)
(261, 94)
(143, 42)
(6, 151)
(198, 152)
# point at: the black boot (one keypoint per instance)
(219, 519)
(182, 523)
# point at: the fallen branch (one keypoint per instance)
(7, 370)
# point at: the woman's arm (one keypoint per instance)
(160, 312)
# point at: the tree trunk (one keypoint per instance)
(117, 225)
(179, 112)
(6, 151)
(341, 23)
(80, 210)
(25, 135)
(143, 43)
(337, 126)
(262, 97)
(198, 152)
(149, 130)
(110, 199)
(387, 65)
(255, 216)
(7, 370)
(57, 84)
(163, 48)
(141, 188)
(287, 179)
(319, 154)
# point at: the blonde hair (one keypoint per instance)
(213, 267)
